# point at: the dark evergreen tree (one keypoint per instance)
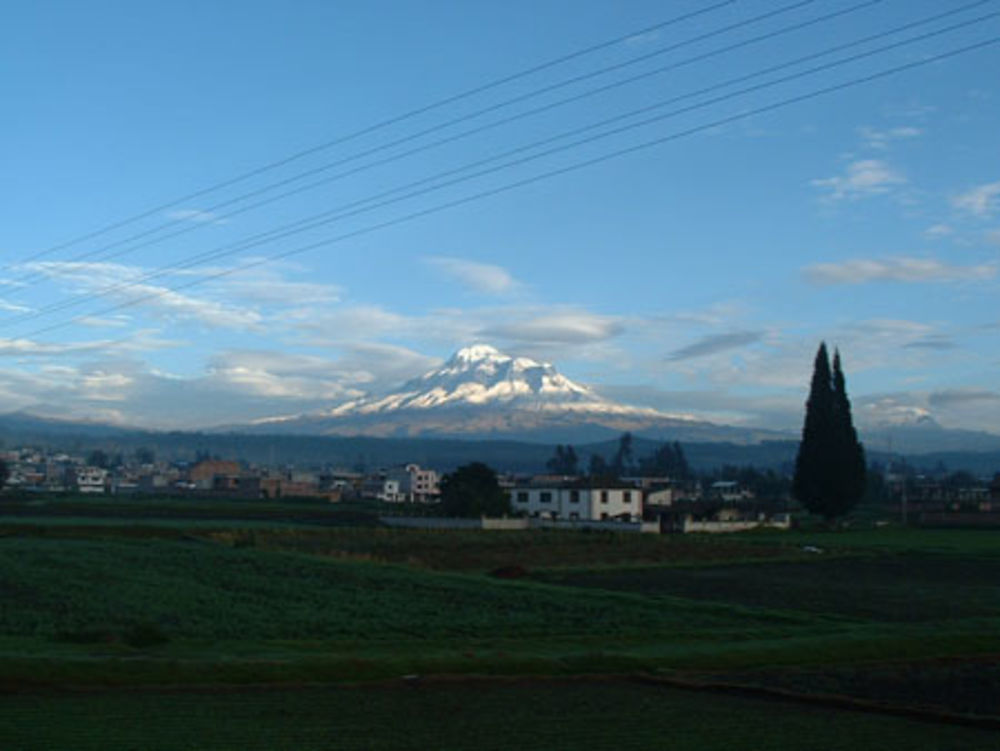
(98, 458)
(622, 464)
(564, 461)
(4, 473)
(473, 490)
(682, 470)
(598, 468)
(830, 466)
(851, 461)
(668, 461)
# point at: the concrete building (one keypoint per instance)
(202, 475)
(415, 484)
(89, 479)
(381, 488)
(578, 501)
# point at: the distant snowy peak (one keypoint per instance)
(483, 377)
(500, 375)
(482, 391)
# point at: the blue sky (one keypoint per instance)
(696, 276)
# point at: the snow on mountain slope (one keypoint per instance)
(484, 377)
(483, 386)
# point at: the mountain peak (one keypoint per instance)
(477, 352)
(480, 386)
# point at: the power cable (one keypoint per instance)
(381, 125)
(25, 281)
(102, 254)
(348, 210)
(534, 179)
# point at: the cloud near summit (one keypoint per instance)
(478, 277)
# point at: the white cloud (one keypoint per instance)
(939, 230)
(880, 139)
(353, 323)
(282, 376)
(10, 307)
(960, 397)
(479, 277)
(554, 327)
(716, 343)
(981, 201)
(267, 287)
(195, 215)
(143, 340)
(123, 285)
(648, 37)
(901, 269)
(114, 322)
(861, 179)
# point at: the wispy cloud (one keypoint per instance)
(270, 288)
(128, 285)
(637, 40)
(955, 397)
(981, 201)
(935, 342)
(195, 215)
(576, 327)
(881, 139)
(479, 277)
(861, 179)
(10, 307)
(901, 269)
(715, 343)
(939, 230)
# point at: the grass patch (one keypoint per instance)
(528, 549)
(903, 587)
(477, 715)
(210, 591)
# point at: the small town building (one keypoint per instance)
(578, 501)
(415, 484)
(202, 475)
(88, 479)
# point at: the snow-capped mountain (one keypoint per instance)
(482, 376)
(481, 392)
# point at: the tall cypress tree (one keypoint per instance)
(830, 466)
(812, 484)
(851, 454)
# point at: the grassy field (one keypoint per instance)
(479, 716)
(219, 596)
(903, 587)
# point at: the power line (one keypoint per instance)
(536, 178)
(449, 123)
(102, 254)
(381, 125)
(351, 209)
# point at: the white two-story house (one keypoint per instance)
(578, 501)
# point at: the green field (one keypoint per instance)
(476, 715)
(211, 599)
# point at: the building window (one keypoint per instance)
(627, 497)
(574, 496)
(604, 496)
(545, 497)
(522, 497)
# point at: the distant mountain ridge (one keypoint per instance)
(482, 395)
(481, 392)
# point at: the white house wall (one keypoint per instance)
(572, 503)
